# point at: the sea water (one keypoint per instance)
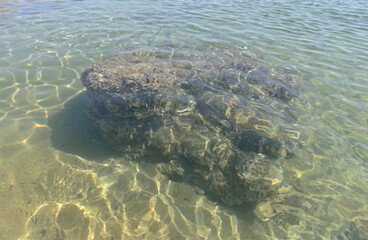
(59, 179)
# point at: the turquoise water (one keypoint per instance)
(60, 180)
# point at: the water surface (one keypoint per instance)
(60, 180)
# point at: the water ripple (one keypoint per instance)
(44, 47)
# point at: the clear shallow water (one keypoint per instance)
(60, 180)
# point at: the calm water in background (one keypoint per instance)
(60, 180)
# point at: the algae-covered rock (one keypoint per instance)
(216, 118)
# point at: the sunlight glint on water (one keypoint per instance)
(60, 180)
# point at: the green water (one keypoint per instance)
(60, 180)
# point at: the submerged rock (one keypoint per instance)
(216, 118)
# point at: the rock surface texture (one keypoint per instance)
(216, 118)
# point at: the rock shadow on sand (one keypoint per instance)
(72, 131)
